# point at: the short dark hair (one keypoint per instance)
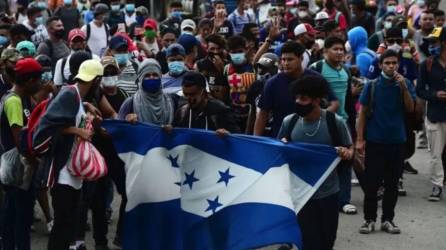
(246, 32)
(312, 86)
(427, 12)
(438, 13)
(19, 29)
(21, 79)
(5, 26)
(303, 3)
(193, 78)
(176, 4)
(333, 40)
(33, 11)
(52, 19)
(388, 53)
(168, 30)
(292, 47)
(394, 32)
(236, 42)
(217, 39)
(219, 2)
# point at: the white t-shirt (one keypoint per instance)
(98, 38)
(129, 20)
(58, 79)
(306, 58)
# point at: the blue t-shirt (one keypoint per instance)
(386, 125)
(277, 98)
(408, 68)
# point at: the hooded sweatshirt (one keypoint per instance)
(364, 57)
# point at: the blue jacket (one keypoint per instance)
(357, 37)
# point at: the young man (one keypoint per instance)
(201, 111)
(171, 81)
(364, 57)
(55, 47)
(305, 34)
(18, 203)
(426, 27)
(430, 87)
(175, 17)
(318, 219)
(361, 17)
(221, 24)
(35, 24)
(240, 17)
(384, 103)
(276, 99)
(97, 31)
(339, 79)
(191, 46)
(69, 15)
(168, 36)
(439, 18)
(335, 14)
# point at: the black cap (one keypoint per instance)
(192, 78)
(77, 59)
(20, 29)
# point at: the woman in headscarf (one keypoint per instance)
(149, 104)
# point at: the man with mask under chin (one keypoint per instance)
(55, 47)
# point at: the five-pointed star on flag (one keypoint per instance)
(225, 177)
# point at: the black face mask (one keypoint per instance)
(304, 110)
(59, 33)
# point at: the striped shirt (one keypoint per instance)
(127, 79)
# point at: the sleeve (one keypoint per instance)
(58, 73)
(84, 28)
(344, 132)
(364, 98)
(43, 49)
(125, 109)
(284, 127)
(363, 63)
(342, 22)
(423, 89)
(266, 99)
(14, 111)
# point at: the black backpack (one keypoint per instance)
(107, 32)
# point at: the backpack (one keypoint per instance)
(107, 32)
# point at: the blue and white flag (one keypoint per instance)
(193, 190)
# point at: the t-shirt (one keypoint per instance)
(226, 29)
(97, 41)
(322, 136)
(386, 125)
(59, 50)
(14, 113)
(277, 98)
(58, 79)
(239, 21)
(70, 18)
(172, 84)
(40, 33)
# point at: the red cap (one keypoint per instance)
(27, 65)
(304, 28)
(150, 23)
(76, 33)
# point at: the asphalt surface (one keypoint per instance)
(423, 223)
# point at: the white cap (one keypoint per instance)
(321, 16)
(188, 23)
(304, 28)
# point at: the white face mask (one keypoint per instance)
(387, 25)
(109, 81)
(421, 3)
(395, 47)
(302, 14)
(405, 32)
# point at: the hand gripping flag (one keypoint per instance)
(192, 190)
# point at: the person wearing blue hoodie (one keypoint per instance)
(362, 56)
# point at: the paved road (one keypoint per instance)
(422, 222)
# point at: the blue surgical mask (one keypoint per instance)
(39, 20)
(122, 59)
(421, 3)
(177, 14)
(42, 5)
(130, 8)
(67, 2)
(3, 41)
(115, 7)
(405, 33)
(151, 85)
(238, 58)
(176, 67)
(47, 76)
(391, 8)
(435, 51)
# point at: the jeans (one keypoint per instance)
(318, 221)
(345, 185)
(65, 201)
(383, 164)
(17, 218)
(436, 134)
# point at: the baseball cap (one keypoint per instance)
(100, 8)
(27, 65)
(321, 16)
(175, 49)
(269, 60)
(150, 23)
(76, 33)
(291, 2)
(26, 46)
(89, 70)
(438, 33)
(304, 28)
(188, 23)
(188, 41)
(109, 61)
(194, 78)
(143, 11)
(10, 55)
(117, 42)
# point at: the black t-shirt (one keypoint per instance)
(117, 100)
(213, 76)
(226, 30)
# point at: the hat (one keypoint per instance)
(100, 8)
(28, 46)
(109, 61)
(304, 28)
(291, 2)
(269, 60)
(438, 33)
(10, 54)
(150, 23)
(44, 60)
(321, 16)
(194, 78)
(20, 29)
(188, 41)
(188, 23)
(27, 65)
(89, 70)
(142, 10)
(149, 66)
(175, 49)
(76, 33)
(117, 42)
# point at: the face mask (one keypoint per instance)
(435, 51)
(67, 2)
(304, 110)
(115, 7)
(391, 8)
(294, 11)
(122, 59)
(302, 14)
(150, 33)
(3, 41)
(421, 3)
(130, 8)
(387, 25)
(47, 76)
(39, 20)
(42, 5)
(238, 58)
(109, 81)
(405, 32)
(395, 47)
(176, 67)
(151, 85)
(59, 33)
(176, 14)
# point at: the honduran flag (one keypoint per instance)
(191, 189)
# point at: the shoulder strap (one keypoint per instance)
(318, 66)
(88, 31)
(107, 32)
(380, 35)
(291, 125)
(338, 14)
(372, 97)
(64, 62)
(333, 129)
(50, 48)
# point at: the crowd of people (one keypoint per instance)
(366, 77)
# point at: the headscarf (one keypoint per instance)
(154, 108)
